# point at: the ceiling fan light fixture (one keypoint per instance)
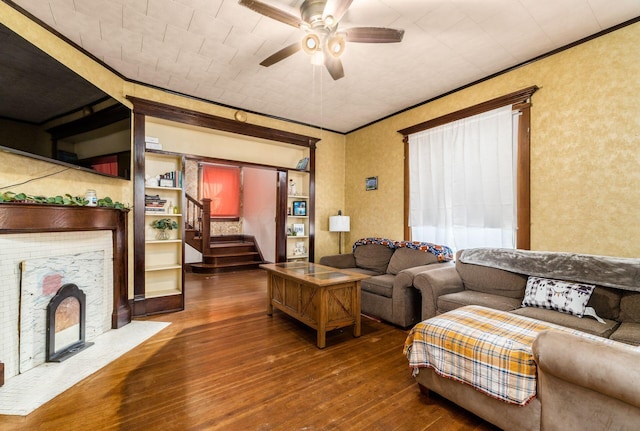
(310, 43)
(329, 21)
(336, 45)
(322, 42)
(304, 26)
(317, 58)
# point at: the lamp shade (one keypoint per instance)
(339, 223)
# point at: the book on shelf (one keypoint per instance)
(159, 210)
(153, 203)
(170, 179)
(154, 199)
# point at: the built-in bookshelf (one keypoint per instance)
(298, 210)
(164, 200)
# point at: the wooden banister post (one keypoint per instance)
(206, 226)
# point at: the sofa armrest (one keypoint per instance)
(339, 260)
(604, 367)
(434, 283)
(405, 277)
(405, 296)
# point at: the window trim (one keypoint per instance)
(520, 101)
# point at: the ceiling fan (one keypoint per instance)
(322, 41)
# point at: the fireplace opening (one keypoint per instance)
(66, 323)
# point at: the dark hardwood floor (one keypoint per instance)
(223, 364)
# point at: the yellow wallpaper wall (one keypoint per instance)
(585, 162)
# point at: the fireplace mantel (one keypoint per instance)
(35, 218)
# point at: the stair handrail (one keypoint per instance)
(198, 217)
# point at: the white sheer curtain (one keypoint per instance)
(463, 182)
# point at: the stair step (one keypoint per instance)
(232, 244)
(227, 252)
(233, 254)
(211, 268)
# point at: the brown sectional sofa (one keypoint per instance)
(389, 293)
(582, 384)
(496, 278)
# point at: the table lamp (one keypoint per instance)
(339, 223)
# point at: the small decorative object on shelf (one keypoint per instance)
(91, 198)
(163, 225)
(150, 181)
(300, 249)
(298, 229)
(299, 208)
(303, 163)
(292, 188)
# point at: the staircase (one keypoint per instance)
(219, 253)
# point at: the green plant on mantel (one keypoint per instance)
(67, 199)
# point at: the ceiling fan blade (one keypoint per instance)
(281, 55)
(271, 12)
(336, 8)
(334, 66)
(374, 35)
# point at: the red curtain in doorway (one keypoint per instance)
(221, 184)
(106, 164)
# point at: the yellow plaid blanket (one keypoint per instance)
(485, 348)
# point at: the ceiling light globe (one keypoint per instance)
(329, 20)
(336, 45)
(310, 43)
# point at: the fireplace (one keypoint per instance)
(29, 232)
(66, 323)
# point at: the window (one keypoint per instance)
(467, 176)
(221, 184)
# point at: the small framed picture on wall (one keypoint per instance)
(299, 208)
(371, 183)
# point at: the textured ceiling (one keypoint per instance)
(211, 49)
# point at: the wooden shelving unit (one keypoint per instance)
(298, 227)
(164, 258)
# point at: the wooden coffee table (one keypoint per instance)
(319, 296)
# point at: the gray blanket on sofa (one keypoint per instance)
(618, 272)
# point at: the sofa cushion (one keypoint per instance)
(557, 295)
(606, 302)
(628, 333)
(584, 324)
(363, 271)
(630, 307)
(380, 285)
(404, 258)
(373, 256)
(451, 301)
(491, 280)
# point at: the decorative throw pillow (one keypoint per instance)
(557, 295)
